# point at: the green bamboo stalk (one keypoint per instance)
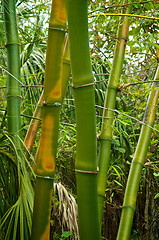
(23, 205)
(129, 203)
(86, 162)
(110, 99)
(52, 101)
(13, 67)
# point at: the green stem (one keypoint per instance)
(13, 67)
(21, 226)
(86, 162)
(129, 204)
(110, 99)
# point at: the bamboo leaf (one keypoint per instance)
(156, 196)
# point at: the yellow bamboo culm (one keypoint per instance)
(52, 99)
(55, 80)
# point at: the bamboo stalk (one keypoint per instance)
(86, 162)
(129, 203)
(52, 101)
(110, 99)
(35, 122)
(19, 228)
(13, 67)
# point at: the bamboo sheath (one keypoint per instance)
(129, 203)
(84, 95)
(110, 99)
(13, 67)
(52, 101)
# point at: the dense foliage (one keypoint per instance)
(140, 63)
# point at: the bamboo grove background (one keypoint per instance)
(138, 72)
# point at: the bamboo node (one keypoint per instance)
(57, 29)
(56, 104)
(87, 172)
(44, 177)
(138, 163)
(67, 62)
(6, 44)
(84, 85)
(104, 138)
(127, 206)
(122, 38)
(14, 96)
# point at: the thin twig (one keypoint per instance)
(123, 86)
(32, 86)
(31, 117)
(115, 110)
(127, 4)
(11, 75)
(124, 14)
(27, 86)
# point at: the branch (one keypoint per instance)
(115, 110)
(124, 14)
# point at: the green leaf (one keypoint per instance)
(120, 149)
(116, 142)
(156, 196)
(153, 44)
(156, 174)
(118, 183)
(116, 171)
(66, 234)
